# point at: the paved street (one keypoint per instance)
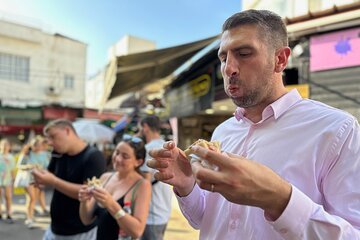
(178, 227)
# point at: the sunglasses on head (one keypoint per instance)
(127, 137)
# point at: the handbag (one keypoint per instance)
(23, 176)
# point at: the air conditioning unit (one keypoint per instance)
(52, 91)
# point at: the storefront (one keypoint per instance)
(17, 123)
(326, 55)
(56, 112)
(190, 98)
(335, 69)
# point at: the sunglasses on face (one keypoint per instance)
(127, 137)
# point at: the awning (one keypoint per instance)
(132, 72)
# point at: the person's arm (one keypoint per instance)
(193, 206)
(134, 224)
(293, 214)
(87, 206)
(339, 215)
(173, 168)
(44, 177)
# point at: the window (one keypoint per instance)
(68, 81)
(14, 67)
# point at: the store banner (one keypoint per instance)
(51, 113)
(335, 50)
(190, 98)
(95, 114)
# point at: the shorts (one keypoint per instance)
(90, 235)
(154, 232)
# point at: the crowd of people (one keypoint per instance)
(97, 212)
(101, 211)
(288, 167)
(35, 153)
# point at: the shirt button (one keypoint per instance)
(283, 230)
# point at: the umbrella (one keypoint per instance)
(93, 132)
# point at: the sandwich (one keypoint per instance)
(213, 146)
(93, 183)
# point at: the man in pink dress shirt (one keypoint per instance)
(290, 167)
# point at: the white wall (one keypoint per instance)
(95, 85)
(130, 45)
(51, 58)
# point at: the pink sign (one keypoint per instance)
(335, 50)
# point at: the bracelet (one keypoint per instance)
(120, 214)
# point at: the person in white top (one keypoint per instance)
(289, 167)
(160, 206)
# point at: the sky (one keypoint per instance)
(101, 23)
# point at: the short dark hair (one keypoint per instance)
(273, 28)
(59, 123)
(153, 122)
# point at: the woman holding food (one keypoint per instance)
(37, 157)
(104, 201)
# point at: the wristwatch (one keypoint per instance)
(120, 214)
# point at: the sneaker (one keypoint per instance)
(45, 213)
(29, 223)
(37, 212)
(9, 219)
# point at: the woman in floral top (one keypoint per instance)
(7, 167)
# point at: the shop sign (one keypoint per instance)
(335, 50)
(33, 114)
(55, 113)
(191, 97)
(94, 114)
(9, 129)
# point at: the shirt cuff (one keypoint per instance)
(187, 203)
(292, 222)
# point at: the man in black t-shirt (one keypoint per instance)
(72, 163)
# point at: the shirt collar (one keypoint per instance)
(276, 108)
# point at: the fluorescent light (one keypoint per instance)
(209, 111)
(223, 108)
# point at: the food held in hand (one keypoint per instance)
(213, 146)
(93, 183)
(29, 167)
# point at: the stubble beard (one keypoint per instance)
(254, 96)
(249, 98)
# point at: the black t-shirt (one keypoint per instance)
(108, 228)
(65, 219)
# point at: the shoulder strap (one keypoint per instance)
(136, 186)
(107, 180)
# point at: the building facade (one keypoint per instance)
(42, 76)
(95, 86)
